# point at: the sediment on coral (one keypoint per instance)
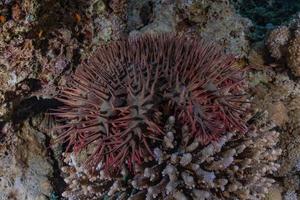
(234, 167)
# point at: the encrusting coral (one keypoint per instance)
(119, 98)
(235, 167)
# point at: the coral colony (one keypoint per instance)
(234, 167)
(120, 98)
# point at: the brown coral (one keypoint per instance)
(294, 55)
(283, 44)
(277, 40)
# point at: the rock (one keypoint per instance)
(274, 193)
(215, 21)
(278, 113)
(151, 16)
(25, 168)
(257, 55)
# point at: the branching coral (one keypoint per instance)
(235, 167)
(119, 98)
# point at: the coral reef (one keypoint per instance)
(212, 20)
(43, 42)
(283, 44)
(266, 14)
(215, 21)
(294, 54)
(233, 167)
(276, 89)
(278, 93)
(118, 97)
(84, 185)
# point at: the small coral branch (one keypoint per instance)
(117, 101)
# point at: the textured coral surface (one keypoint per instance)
(283, 43)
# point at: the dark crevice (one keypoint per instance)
(140, 14)
(26, 109)
(146, 13)
(33, 84)
(31, 107)
(57, 180)
(2, 135)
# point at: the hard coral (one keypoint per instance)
(118, 99)
(283, 44)
(235, 167)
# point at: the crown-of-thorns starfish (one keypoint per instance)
(117, 100)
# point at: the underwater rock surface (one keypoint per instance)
(26, 170)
